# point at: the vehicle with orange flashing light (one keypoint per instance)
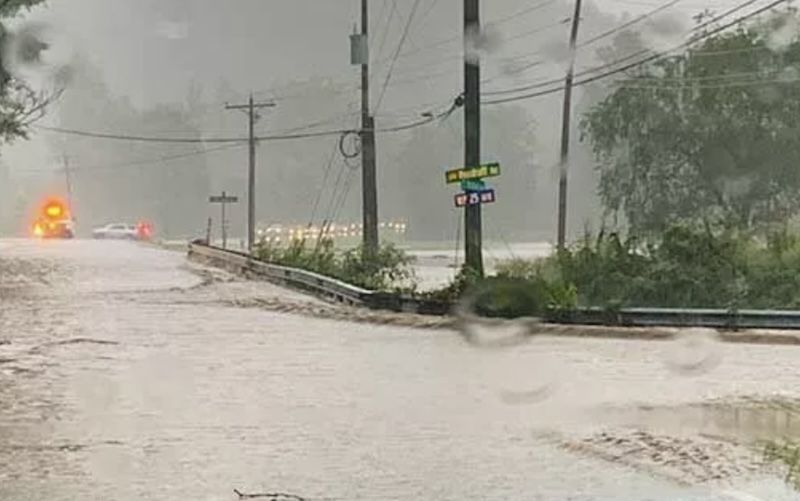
(53, 221)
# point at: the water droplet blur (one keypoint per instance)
(768, 93)
(693, 351)
(789, 74)
(664, 32)
(479, 43)
(497, 313)
(39, 54)
(492, 316)
(485, 333)
(783, 33)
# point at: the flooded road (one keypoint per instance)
(125, 375)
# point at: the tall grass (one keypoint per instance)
(683, 267)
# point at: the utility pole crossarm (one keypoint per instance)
(246, 107)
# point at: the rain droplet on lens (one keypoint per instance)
(497, 313)
(495, 334)
(693, 352)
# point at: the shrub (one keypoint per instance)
(683, 267)
(388, 268)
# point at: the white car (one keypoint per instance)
(116, 231)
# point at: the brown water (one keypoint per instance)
(124, 377)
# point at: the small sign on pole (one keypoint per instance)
(223, 199)
(486, 170)
(474, 197)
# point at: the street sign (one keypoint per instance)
(473, 185)
(223, 199)
(486, 170)
(474, 198)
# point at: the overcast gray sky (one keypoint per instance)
(153, 50)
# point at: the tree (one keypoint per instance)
(709, 135)
(125, 180)
(20, 104)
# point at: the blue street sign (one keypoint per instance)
(474, 198)
(473, 185)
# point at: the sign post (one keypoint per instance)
(223, 200)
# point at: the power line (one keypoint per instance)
(526, 10)
(142, 162)
(158, 160)
(272, 137)
(397, 53)
(428, 12)
(388, 24)
(143, 139)
(630, 23)
(622, 59)
(652, 57)
(318, 198)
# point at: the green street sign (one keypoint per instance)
(486, 170)
(473, 185)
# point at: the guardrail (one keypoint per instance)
(678, 317)
(320, 285)
(341, 292)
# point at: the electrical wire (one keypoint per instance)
(272, 137)
(629, 57)
(427, 13)
(135, 138)
(630, 23)
(388, 24)
(358, 149)
(526, 10)
(650, 58)
(135, 163)
(328, 167)
(719, 85)
(397, 53)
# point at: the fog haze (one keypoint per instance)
(182, 60)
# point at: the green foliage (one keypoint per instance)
(20, 105)
(465, 279)
(708, 135)
(786, 454)
(549, 288)
(173, 195)
(387, 269)
(685, 267)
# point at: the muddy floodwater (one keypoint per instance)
(127, 374)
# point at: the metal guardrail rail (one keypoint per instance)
(679, 317)
(320, 285)
(341, 292)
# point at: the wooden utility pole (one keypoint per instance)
(473, 239)
(565, 129)
(251, 108)
(68, 179)
(369, 177)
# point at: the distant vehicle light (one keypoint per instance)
(54, 210)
